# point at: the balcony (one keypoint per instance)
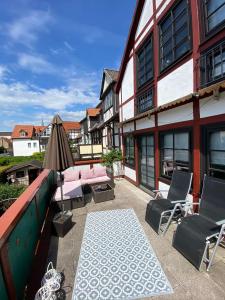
(212, 65)
(26, 245)
(89, 152)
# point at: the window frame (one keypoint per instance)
(205, 144)
(141, 94)
(126, 163)
(106, 108)
(148, 39)
(205, 32)
(189, 36)
(190, 150)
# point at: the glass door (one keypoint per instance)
(147, 161)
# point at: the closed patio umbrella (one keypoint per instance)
(58, 155)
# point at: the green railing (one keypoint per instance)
(20, 229)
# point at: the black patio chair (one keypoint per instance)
(196, 233)
(160, 212)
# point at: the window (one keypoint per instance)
(175, 38)
(145, 64)
(35, 145)
(20, 174)
(29, 145)
(23, 133)
(129, 150)
(109, 100)
(175, 152)
(215, 157)
(145, 101)
(212, 65)
(214, 13)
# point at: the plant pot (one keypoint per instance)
(62, 223)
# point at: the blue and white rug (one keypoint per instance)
(116, 260)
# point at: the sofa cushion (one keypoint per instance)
(95, 180)
(100, 171)
(87, 174)
(70, 175)
(71, 189)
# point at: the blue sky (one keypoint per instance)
(52, 54)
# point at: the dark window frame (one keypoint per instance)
(107, 107)
(127, 156)
(141, 95)
(208, 57)
(205, 32)
(205, 146)
(142, 48)
(190, 150)
(173, 37)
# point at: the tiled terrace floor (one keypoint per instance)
(187, 282)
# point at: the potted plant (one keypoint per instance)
(109, 159)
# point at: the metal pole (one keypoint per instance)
(61, 189)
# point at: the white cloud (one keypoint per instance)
(35, 63)
(18, 95)
(25, 30)
(3, 71)
(68, 46)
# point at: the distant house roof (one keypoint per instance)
(113, 74)
(93, 112)
(33, 163)
(68, 125)
(29, 130)
(5, 133)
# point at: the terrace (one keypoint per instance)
(18, 242)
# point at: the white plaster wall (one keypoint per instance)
(143, 35)
(177, 84)
(145, 123)
(118, 169)
(108, 114)
(128, 110)
(158, 2)
(128, 81)
(177, 114)
(20, 147)
(128, 127)
(212, 107)
(146, 14)
(130, 173)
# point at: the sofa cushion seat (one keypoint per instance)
(95, 180)
(71, 189)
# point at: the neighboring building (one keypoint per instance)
(172, 92)
(85, 136)
(5, 141)
(28, 139)
(25, 139)
(24, 173)
(106, 131)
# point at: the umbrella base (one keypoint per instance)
(62, 223)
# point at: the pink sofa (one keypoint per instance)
(74, 181)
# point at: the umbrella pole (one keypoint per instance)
(61, 189)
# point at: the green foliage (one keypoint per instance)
(13, 160)
(2, 149)
(109, 158)
(11, 191)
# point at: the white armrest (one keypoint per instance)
(155, 191)
(178, 201)
(220, 222)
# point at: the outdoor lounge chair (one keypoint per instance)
(160, 212)
(197, 232)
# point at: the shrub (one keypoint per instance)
(109, 158)
(11, 191)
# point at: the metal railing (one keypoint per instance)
(212, 65)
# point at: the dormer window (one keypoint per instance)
(23, 133)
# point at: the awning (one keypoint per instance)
(220, 86)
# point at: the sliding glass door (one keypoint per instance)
(147, 161)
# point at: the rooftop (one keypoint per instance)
(187, 282)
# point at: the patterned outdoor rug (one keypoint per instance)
(116, 260)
